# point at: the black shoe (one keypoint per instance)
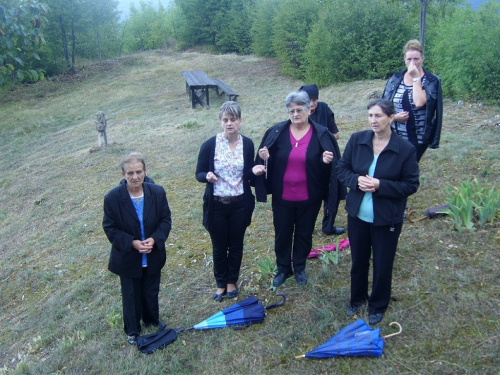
(161, 326)
(375, 318)
(219, 297)
(280, 279)
(132, 340)
(336, 231)
(301, 278)
(351, 311)
(232, 294)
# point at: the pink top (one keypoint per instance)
(295, 179)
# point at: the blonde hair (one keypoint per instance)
(413, 45)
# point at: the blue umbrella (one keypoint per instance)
(357, 339)
(246, 312)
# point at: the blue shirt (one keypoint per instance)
(365, 211)
(139, 209)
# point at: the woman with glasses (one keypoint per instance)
(294, 164)
(225, 164)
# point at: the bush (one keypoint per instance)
(356, 39)
(466, 54)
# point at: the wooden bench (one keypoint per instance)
(225, 89)
(197, 87)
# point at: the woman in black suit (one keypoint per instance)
(137, 223)
(381, 171)
(225, 164)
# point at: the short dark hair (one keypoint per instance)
(133, 156)
(387, 106)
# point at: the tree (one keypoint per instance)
(355, 39)
(465, 53)
(21, 23)
(291, 26)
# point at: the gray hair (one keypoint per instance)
(387, 106)
(133, 157)
(297, 97)
(231, 108)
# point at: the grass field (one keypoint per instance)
(60, 309)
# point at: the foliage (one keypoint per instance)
(234, 32)
(146, 28)
(291, 26)
(472, 203)
(355, 40)
(331, 256)
(465, 53)
(21, 23)
(262, 30)
(267, 266)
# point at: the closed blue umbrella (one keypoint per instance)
(357, 339)
(246, 312)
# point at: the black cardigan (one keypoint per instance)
(318, 173)
(397, 170)
(206, 164)
(122, 226)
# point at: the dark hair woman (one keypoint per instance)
(225, 164)
(381, 171)
(418, 99)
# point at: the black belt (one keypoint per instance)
(227, 200)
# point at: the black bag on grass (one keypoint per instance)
(154, 341)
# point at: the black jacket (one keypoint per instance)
(397, 170)
(122, 226)
(318, 173)
(206, 164)
(433, 107)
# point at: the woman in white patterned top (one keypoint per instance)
(225, 164)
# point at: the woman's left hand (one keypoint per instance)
(327, 157)
(368, 184)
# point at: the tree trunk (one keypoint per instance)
(64, 43)
(99, 47)
(73, 46)
(423, 12)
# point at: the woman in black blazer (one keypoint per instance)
(137, 223)
(381, 171)
(225, 164)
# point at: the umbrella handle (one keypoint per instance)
(300, 356)
(395, 333)
(408, 216)
(279, 303)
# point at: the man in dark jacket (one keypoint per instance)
(321, 113)
(137, 222)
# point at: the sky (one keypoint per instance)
(124, 5)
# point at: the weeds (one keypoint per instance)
(472, 203)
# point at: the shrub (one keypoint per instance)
(465, 53)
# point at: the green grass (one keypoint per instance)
(60, 309)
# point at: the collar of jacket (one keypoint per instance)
(393, 145)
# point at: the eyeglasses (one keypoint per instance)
(297, 111)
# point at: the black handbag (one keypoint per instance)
(154, 341)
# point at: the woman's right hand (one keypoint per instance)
(264, 153)
(211, 177)
(401, 117)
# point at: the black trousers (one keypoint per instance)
(140, 301)
(328, 223)
(420, 147)
(383, 240)
(227, 234)
(293, 228)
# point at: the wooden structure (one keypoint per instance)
(197, 87)
(225, 89)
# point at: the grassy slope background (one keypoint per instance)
(60, 309)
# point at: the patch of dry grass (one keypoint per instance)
(60, 307)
